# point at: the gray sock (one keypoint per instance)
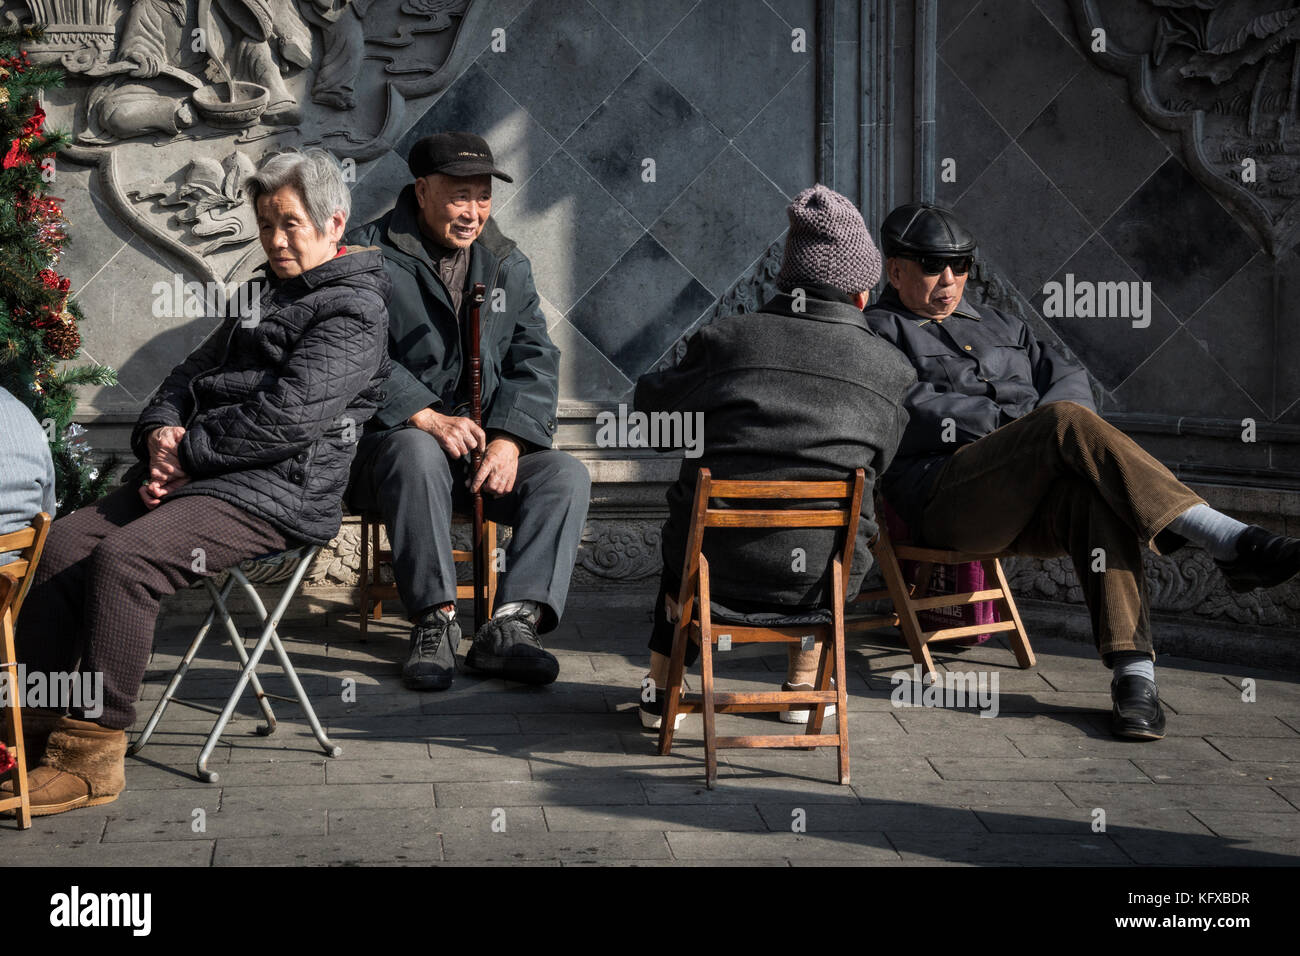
(1212, 530)
(1134, 667)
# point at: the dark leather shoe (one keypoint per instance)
(508, 647)
(1263, 560)
(1136, 712)
(431, 664)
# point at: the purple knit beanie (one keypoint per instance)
(828, 244)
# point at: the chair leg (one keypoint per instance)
(9, 658)
(706, 694)
(825, 668)
(289, 670)
(900, 593)
(673, 693)
(182, 669)
(1019, 638)
(268, 637)
(841, 680)
(241, 651)
(490, 562)
(706, 678)
(363, 579)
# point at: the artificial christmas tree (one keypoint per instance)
(39, 318)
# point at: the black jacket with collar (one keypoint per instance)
(785, 394)
(976, 371)
(520, 363)
(272, 409)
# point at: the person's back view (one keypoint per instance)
(799, 390)
(26, 468)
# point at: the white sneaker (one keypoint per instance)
(802, 716)
(652, 715)
(652, 712)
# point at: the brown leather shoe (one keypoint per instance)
(84, 766)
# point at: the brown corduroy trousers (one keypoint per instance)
(1061, 480)
(94, 599)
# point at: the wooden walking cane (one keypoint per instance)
(477, 295)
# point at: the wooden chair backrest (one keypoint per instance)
(847, 493)
(29, 542)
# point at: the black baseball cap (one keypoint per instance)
(453, 154)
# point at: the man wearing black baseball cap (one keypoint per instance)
(1004, 451)
(413, 463)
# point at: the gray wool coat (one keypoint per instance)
(785, 395)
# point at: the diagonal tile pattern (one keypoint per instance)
(585, 92)
(1061, 176)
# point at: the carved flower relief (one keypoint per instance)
(1186, 583)
(339, 562)
(210, 200)
(622, 552)
(439, 12)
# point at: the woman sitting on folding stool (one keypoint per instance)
(244, 450)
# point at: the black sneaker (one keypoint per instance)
(508, 647)
(431, 664)
(1136, 712)
(1263, 560)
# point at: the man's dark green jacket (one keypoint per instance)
(520, 363)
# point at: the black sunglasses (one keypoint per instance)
(933, 265)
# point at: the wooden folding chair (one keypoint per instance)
(15, 580)
(696, 618)
(908, 598)
(372, 591)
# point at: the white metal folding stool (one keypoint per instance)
(289, 567)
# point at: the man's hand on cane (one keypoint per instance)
(496, 474)
(457, 434)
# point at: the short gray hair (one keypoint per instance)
(315, 173)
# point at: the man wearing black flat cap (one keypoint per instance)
(413, 463)
(1004, 451)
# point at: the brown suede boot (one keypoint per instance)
(84, 766)
(38, 724)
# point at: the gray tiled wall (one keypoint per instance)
(711, 92)
(1058, 174)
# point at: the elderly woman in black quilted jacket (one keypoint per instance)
(244, 450)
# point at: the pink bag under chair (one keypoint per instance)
(945, 579)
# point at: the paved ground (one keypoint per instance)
(488, 773)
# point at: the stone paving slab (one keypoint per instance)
(1248, 773)
(856, 845)
(1235, 824)
(1028, 768)
(349, 850)
(1171, 748)
(594, 846)
(1085, 819)
(1039, 849)
(1176, 796)
(1154, 849)
(411, 820)
(490, 773)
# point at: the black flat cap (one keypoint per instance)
(453, 154)
(923, 229)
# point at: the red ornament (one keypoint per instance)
(18, 154)
(34, 122)
(7, 761)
